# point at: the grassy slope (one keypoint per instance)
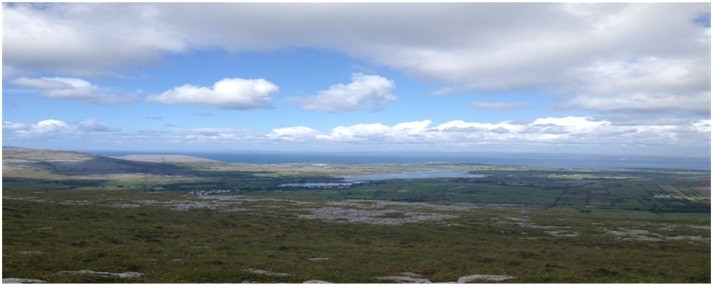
(203, 245)
(66, 222)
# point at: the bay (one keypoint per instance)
(602, 162)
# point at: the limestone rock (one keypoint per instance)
(102, 274)
(268, 273)
(407, 277)
(481, 277)
(21, 280)
(316, 282)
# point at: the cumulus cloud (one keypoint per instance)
(563, 131)
(235, 93)
(573, 133)
(53, 127)
(460, 126)
(40, 128)
(377, 132)
(75, 89)
(417, 132)
(365, 92)
(358, 133)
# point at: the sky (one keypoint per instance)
(602, 78)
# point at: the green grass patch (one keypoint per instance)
(42, 238)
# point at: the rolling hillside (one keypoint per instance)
(16, 160)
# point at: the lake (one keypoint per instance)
(350, 180)
(415, 174)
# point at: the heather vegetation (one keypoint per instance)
(79, 218)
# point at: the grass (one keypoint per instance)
(539, 225)
(205, 245)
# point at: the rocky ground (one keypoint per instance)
(374, 212)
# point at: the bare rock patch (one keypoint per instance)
(21, 281)
(373, 216)
(406, 277)
(108, 275)
(484, 277)
(268, 273)
(313, 281)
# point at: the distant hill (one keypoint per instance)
(167, 158)
(78, 163)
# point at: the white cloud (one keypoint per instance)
(94, 125)
(459, 126)
(365, 92)
(357, 133)
(602, 57)
(584, 132)
(418, 132)
(377, 132)
(84, 39)
(573, 134)
(53, 127)
(573, 124)
(702, 126)
(75, 89)
(236, 93)
(644, 103)
(409, 129)
(47, 127)
(647, 84)
(204, 135)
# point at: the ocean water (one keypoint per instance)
(536, 160)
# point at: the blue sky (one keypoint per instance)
(425, 77)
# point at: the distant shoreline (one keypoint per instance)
(539, 160)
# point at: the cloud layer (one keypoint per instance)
(236, 93)
(84, 39)
(53, 127)
(592, 54)
(582, 132)
(635, 74)
(567, 133)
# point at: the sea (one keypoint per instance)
(599, 162)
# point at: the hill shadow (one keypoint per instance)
(106, 165)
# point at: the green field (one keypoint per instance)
(46, 233)
(218, 222)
